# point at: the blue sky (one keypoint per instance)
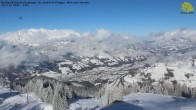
(135, 17)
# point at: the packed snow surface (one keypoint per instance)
(138, 101)
(13, 101)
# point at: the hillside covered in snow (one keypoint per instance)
(11, 100)
(138, 101)
(74, 70)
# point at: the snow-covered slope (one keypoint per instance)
(161, 65)
(13, 101)
(138, 101)
(182, 72)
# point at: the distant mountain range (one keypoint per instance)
(153, 65)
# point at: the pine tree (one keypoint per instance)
(178, 90)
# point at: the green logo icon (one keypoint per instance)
(187, 8)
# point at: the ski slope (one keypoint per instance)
(13, 101)
(138, 101)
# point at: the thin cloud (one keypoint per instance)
(38, 45)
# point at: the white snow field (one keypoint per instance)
(138, 101)
(13, 101)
